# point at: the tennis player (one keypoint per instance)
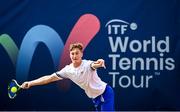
(84, 74)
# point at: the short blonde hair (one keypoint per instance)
(76, 45)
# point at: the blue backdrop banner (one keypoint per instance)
(139, 41)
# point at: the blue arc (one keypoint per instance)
(38, 34)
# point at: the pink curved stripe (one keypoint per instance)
(84, 31)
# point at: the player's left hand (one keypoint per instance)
(100, 63)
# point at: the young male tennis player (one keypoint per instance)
(84, 74)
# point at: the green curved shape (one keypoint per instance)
(10, 47)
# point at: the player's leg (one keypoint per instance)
(97, 103)
(108, 95)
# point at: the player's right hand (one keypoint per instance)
(25, 85)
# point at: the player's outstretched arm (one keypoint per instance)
(40, 81)
(97, 64)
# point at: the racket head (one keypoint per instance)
(13, 84)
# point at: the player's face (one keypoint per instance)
(76, 56)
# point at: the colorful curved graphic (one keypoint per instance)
(10, 47)
(34, 36)
(83, 31)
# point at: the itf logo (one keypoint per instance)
(116, 26)
(83, 31)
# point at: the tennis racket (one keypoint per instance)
(13, 89)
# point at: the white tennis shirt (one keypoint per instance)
(85, 77)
